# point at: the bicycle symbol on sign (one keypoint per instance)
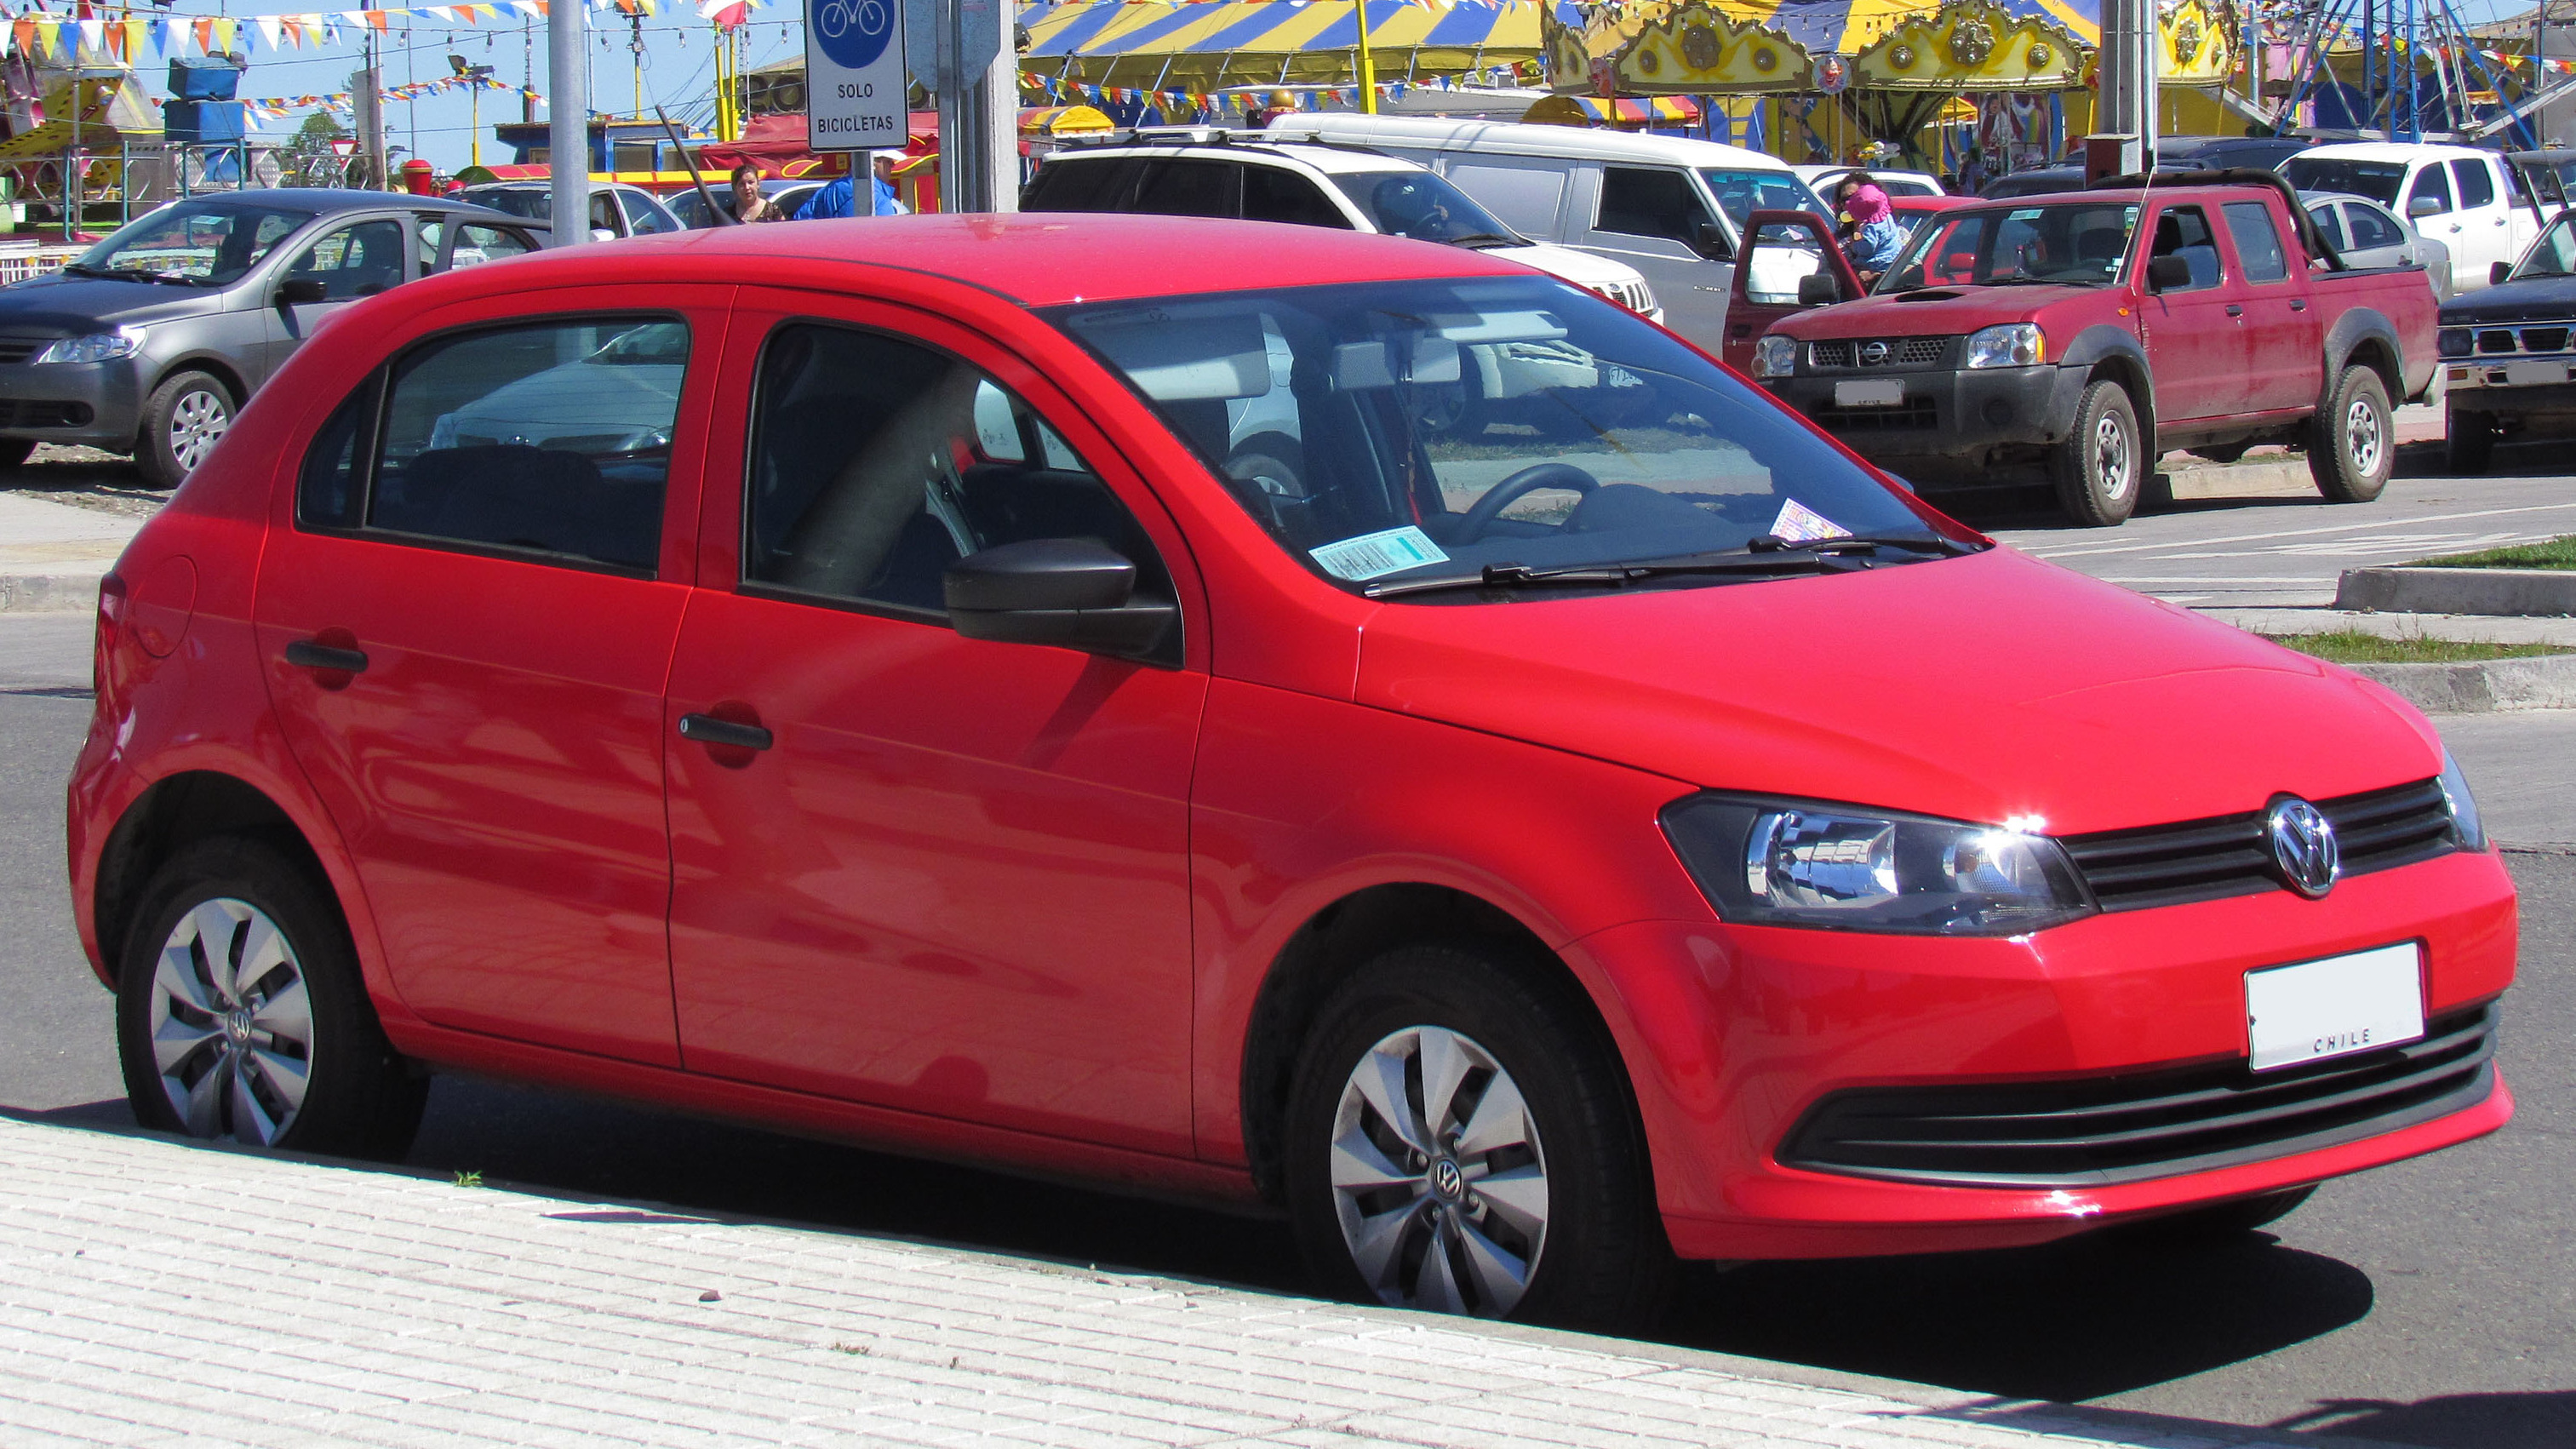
(839, 17)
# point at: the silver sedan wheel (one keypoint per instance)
(2362, 441)
(2111, 457)
(1438, 1176)
(231, 1023)
(197, 424)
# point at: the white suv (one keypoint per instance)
(1203, 171)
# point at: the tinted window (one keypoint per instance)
(1650, 203)
(2377, 180)
(554, 438)
(643, 217)
(528, 201)
(2431, 182)
(1190, 188)
(476, 244)
(1080, 185)
(1271, 194)
(2329, 220)
(2258, 241)
(2184, 232)
(1420, 205)
(2554, 254)
(353, 261)
(877, 463)
(2477, 184)
(2372, 227)
(326, 496)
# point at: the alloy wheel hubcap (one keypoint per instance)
(1437, 1175)
(2361, 431)
(2111, 457)
(231, 1023)
(196, 425)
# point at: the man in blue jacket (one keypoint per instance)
(837, 198)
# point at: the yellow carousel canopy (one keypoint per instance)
(1972, 46)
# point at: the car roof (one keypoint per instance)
(1035, 259)
(1335, 160)
(2400, 151)
(321, 199)
(1523, 138)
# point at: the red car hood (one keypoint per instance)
(1979, 688)
(1943, 310)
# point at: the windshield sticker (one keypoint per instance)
(1375, 555)
(1798, 523)
(2030, 215)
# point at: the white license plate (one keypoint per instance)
(2333, 1007)
(1873, 394)
(2534, 374)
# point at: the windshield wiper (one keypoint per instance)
(1513, 575)
(114, 274)
(1847, 542)
(1479, 240)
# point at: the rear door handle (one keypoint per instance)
(2298, 304)
(706, 729)
(310, 654)
(2235, 311)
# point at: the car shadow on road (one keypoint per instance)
(2540, 1420)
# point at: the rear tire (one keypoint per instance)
(1460, 1138)
(186, 416)
(2099, 467)
(241, 1014)
(2470, 442)
(2352, 446)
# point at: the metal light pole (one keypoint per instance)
(1368, 61)
(568, 122)
(2128, 97)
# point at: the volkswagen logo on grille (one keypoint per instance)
(2303, 845)
(1873, 354)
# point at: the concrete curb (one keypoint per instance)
(2483, 687)
(48, 593)
(2458, 591)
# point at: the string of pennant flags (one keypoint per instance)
(278, 108)
(40, 33)
(1067, 92)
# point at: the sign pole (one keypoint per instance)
(854, 84)
(568, 120)
(1368, 61)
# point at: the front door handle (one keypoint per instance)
(2298, 304)
(313, 654)
(2235, 311)
(706, 729)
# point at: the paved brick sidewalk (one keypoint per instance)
(159, 1294)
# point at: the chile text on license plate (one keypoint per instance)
(1874, 393)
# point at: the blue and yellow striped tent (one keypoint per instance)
(1204, 45)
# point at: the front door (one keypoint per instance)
(913, 869)
(1751, 312)
(466, 630)
(1654, 219)
(2195, 332)
(337, 267)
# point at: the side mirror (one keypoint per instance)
(2422, 206)
(1073, 593)
(297, 291)
(1818, 289)
(601, 233)
(2499, 272)
(2168, 274)
(1709, 240)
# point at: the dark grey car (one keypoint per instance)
(151, 341)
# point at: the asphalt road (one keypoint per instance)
(2429, 1303)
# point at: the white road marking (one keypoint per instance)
(2081, 552)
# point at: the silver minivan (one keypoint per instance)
(1670, 207)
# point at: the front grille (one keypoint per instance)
(1915, 351)
(1911, 414)
(2231, 855)
(2544, 339)
(2497, 339)
(2104, 1130)
(15, 413)
(1901, 351)
(2536, 339)
(19, 349)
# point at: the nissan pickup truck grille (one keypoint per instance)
(2534, 338)
(2102, 1130)
(2229, 855)
(1878, 351)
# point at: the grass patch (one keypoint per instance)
(2555, 553)
(2351, 646)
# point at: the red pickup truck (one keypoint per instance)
(2079, 336)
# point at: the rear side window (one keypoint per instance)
(2258, 241)
(1636, 202)
(878, 462)
(2432, 182)
(2477, 184)
(477, 244)
(1271, 194)
(552, 439)
(2372, 228)
(1191, 188)
(1082, 185)
(2329, 220)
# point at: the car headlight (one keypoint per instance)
(2014, 344)
(2466, 827)
(1775, 356)
(2455, 342)
(96, 347)
(1793, 863)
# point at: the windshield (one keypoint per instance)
(2081, 242)
(2554, 254)
(534, 203)
(2377, 180)
(1385, 430)
(1420, 205)
(1741, 193)
(209, 243)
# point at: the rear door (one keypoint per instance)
(2284, 356)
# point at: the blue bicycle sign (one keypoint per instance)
(852, 32)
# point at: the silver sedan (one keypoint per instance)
(2367, 234)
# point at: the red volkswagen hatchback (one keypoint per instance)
(1078, 694)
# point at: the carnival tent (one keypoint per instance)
(1206, 46)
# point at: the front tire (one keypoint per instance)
(2469, 442)
(2100, 468)
(241, 1014)
(2354, 447)
(182, 421)
(1458, 1140)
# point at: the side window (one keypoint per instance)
(2432, 182)
(2477, 184)
(1190, 188)
(354, 261)
(1762, 280)
(427, 232)
(1639, 202)
(2183, 231)
(326, 493)
(643, 218)
(2372, 227)
(2258, 241)
(477, 244)
(603, 214)
(553, 438)
(2329, 220)
(877, 462)
(1272, 194)
(1525, 196)
(1082, 185)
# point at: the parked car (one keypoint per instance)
(2509, 353)
(1202, 172)
(929, 744)
(616, 209)
(2464, 198)
(1670, 207)
(2036, 181)
(784, 193)
(2366, 234)
(149, 343)
(2224, 153)
(1823, 179)
(2080, 337)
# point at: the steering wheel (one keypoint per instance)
(1473, 523)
